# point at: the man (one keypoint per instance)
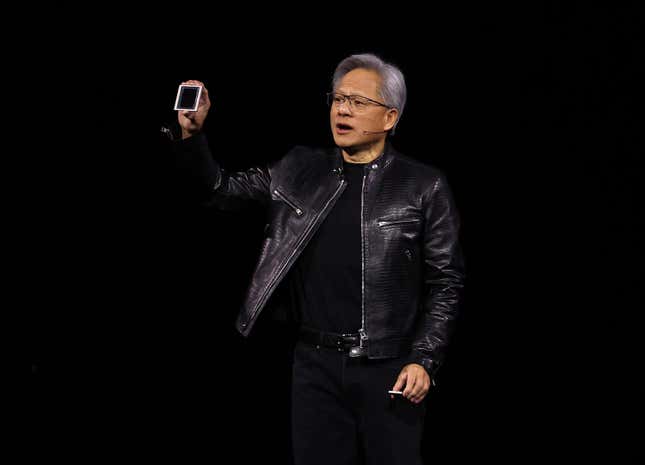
(365, 240)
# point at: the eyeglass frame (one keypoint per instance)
(347, 98)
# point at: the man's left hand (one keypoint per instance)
(416, 380)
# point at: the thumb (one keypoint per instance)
(190, 115)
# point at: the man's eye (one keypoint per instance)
(358, 102)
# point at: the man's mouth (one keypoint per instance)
(343, 128)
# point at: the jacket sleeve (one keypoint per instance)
(443, 277)
(214, 185)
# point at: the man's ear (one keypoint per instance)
(391, 117)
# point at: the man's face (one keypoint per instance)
(349, 121)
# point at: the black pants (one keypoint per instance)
(342, 413)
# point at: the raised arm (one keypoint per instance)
(215, 185)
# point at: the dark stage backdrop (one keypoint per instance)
(533, 113)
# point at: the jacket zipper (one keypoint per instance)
(297, 209)
(363, 330)
(310, 226)
(397, 222)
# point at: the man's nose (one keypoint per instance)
(343, 108)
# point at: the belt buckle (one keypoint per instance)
(357, 351)
(345, 342)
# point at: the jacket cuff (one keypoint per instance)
(194, 159)
(196, 142)
(430, 364)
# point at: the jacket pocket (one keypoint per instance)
(398, 222)
(299, 211)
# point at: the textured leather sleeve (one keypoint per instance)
(216, 186)
(443, 277)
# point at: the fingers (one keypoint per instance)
(193, 82)
(416, 382)
(409, 387)
(400, 382)
(190, 115)
(419, 391)
(420, 387)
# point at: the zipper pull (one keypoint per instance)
(363, 335)
(339, 172)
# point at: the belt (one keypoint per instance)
(350, 342)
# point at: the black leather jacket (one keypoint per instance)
(412, 269)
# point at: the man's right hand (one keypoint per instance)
(191, 122)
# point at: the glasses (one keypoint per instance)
(356, 103)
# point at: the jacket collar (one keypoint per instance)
(383, 160)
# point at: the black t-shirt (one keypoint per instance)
(327, 276)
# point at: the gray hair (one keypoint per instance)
(392, 89)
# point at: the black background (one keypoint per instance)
(533, 112)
